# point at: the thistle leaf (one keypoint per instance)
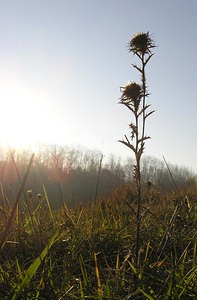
(127, 139)
(147, 60)
(127, 104)
(144, 138)
(133, 130)
(143, 109)
(150, 113)
(128, 145)
(136, 67)
(135, 171)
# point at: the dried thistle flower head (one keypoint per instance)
(141, 43)
(131, 93)
(30, 193)
(39, 196)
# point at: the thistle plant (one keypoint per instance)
(133, 96)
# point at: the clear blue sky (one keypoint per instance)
(62, 63)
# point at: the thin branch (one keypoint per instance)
(136, 67)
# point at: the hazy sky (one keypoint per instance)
(62, 63)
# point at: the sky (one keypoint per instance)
(62, 64)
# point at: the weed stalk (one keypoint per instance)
(134, 98)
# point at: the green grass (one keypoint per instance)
(89, 252)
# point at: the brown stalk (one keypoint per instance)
(134, 98)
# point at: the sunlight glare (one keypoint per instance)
(27, 118)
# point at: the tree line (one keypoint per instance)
(78, 175)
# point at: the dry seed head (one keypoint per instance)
(30, 193)
(141, 43)
(131, 93)
(38, 196)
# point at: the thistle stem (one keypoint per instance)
(134, 98)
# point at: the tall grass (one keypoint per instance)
(114, 249)
(14, 209)
(81, 260)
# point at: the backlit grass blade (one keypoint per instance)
(190, 277)
(149, 297)
(48, 204)
(34, 267)
(14, 208)
(100, 291)
(81, 290)
(194, 253)
(83, 271)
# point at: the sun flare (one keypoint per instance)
(26, 118)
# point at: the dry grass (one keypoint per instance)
(89, 253)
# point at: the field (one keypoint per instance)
(87, 251)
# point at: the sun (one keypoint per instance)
(27, 117)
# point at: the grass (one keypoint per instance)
(89, 252)
(133, 245)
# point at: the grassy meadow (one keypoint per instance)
(88, 251)
(138, 240)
